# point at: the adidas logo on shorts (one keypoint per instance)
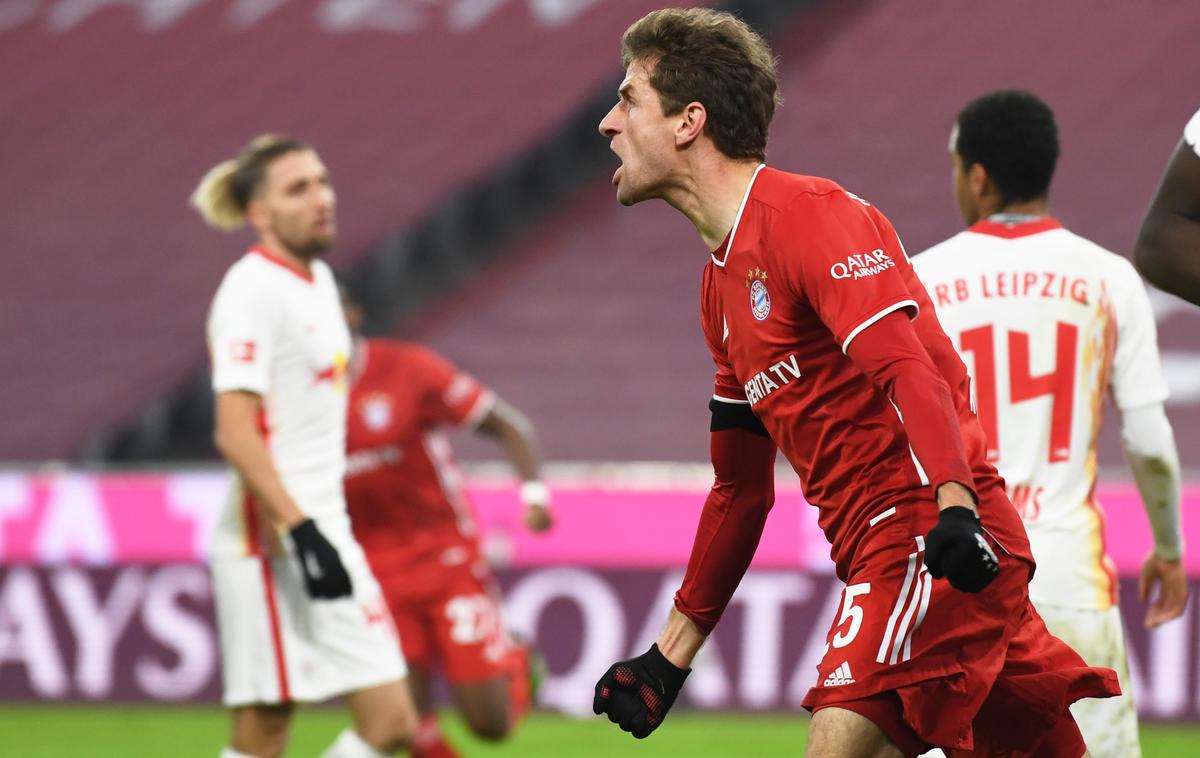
(840, 676)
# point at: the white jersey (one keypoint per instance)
(1191, 133)
(1048, 323)
(279, 332)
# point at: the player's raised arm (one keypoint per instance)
(637, 693)
(1168, 245)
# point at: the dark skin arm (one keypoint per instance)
(1167, 252)
(514, 431)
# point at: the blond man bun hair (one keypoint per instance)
(213, 197)
(226, 189)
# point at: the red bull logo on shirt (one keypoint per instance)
(335, 373)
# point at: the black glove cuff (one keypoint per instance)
(304, 532)
(668, 673)
(960, 514)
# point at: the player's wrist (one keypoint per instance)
(302, 528)
(1168, 554)
(680, 641)
(956, 495)
(294, 520)
(670, 673)
(534, 494)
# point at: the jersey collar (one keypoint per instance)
(736, 220)
(1013, 231)
(281, 262)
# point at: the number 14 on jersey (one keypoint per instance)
(1059, 384)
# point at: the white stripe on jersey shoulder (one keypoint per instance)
(730, 400)
(483, 406)
(893, 307)
(738, 218)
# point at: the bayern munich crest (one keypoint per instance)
(760, 298)
(376, 412)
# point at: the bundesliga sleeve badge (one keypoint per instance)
(760, 298)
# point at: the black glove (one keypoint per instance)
(637, 693)
(957, 550)
(325, 577)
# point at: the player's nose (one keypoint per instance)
(608, 124)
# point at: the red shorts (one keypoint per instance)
(447, 612)
(933, 666)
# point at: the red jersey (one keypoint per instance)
(403, 488)
(806, 268)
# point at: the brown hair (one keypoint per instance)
(228, 187)
(716, 59)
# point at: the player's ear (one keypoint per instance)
(691, 123)
(256, 214)
(978, 180)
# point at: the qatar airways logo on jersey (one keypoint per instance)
(767, 381)
(861, 265)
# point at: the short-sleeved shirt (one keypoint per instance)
(403, 487)
(806, 268)
(1191, 132)
(1048, 324)
(278, 331)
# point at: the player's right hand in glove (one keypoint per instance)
(325, 577)
(957, 550)
(637, 693)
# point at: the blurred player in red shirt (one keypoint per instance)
(827, 346)
(412, 517)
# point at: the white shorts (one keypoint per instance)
(1109, 725)
(278, 645)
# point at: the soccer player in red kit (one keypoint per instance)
(827, 347)
(409, 512)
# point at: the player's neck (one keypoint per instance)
(712, 195)
(1037, 208)
(272, 246)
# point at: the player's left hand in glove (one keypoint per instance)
(637, 693)
(325, 577)
(957, 550)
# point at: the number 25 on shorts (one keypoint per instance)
(850, 617)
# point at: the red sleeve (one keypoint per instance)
(848, 262)
(730, 524)
(448, 395)
(890, 352)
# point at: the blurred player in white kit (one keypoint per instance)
(301, 617)
(1048, 323)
